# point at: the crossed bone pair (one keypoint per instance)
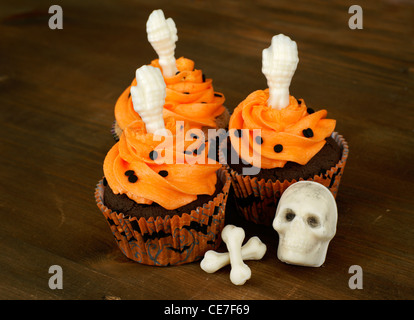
(233, 236)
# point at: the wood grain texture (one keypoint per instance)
(57, 94)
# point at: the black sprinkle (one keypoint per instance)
(217, 95)
(163, 173)
(308, 133)
(310, 110)
(129, 173)
(153, 155)
(129, 94)
(278, 148)
(177, 72)
(133, 178)
(185, 92)
(204, 77)
(259, 140)
(299, 102)
(203, 102)
(238, 133)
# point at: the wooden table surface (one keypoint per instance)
(57, 94)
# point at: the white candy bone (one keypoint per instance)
(254, 249)
(233, 237)
(279, 63)
(148, 98)
(162, 34)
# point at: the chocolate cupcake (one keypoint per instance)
(164, 201)
(190, 94)
(275, 140)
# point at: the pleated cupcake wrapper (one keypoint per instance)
(116, 128)
(170, 240)
(257, 200)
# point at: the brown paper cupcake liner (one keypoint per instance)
(257, 200)
(170, 240)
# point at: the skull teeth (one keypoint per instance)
(295, 245)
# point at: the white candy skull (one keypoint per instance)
(305, 220)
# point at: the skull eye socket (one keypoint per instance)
(289, 215)
(313, 221)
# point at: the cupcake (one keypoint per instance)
(190, 94)
(275, 140)
(164, 204)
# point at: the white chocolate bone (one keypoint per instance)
(279, 63)
(148, 98)
(254, 249)
(233, 237)
(162, 34)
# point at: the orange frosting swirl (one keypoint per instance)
(290, 134)
(131, 168)
(190, 97)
